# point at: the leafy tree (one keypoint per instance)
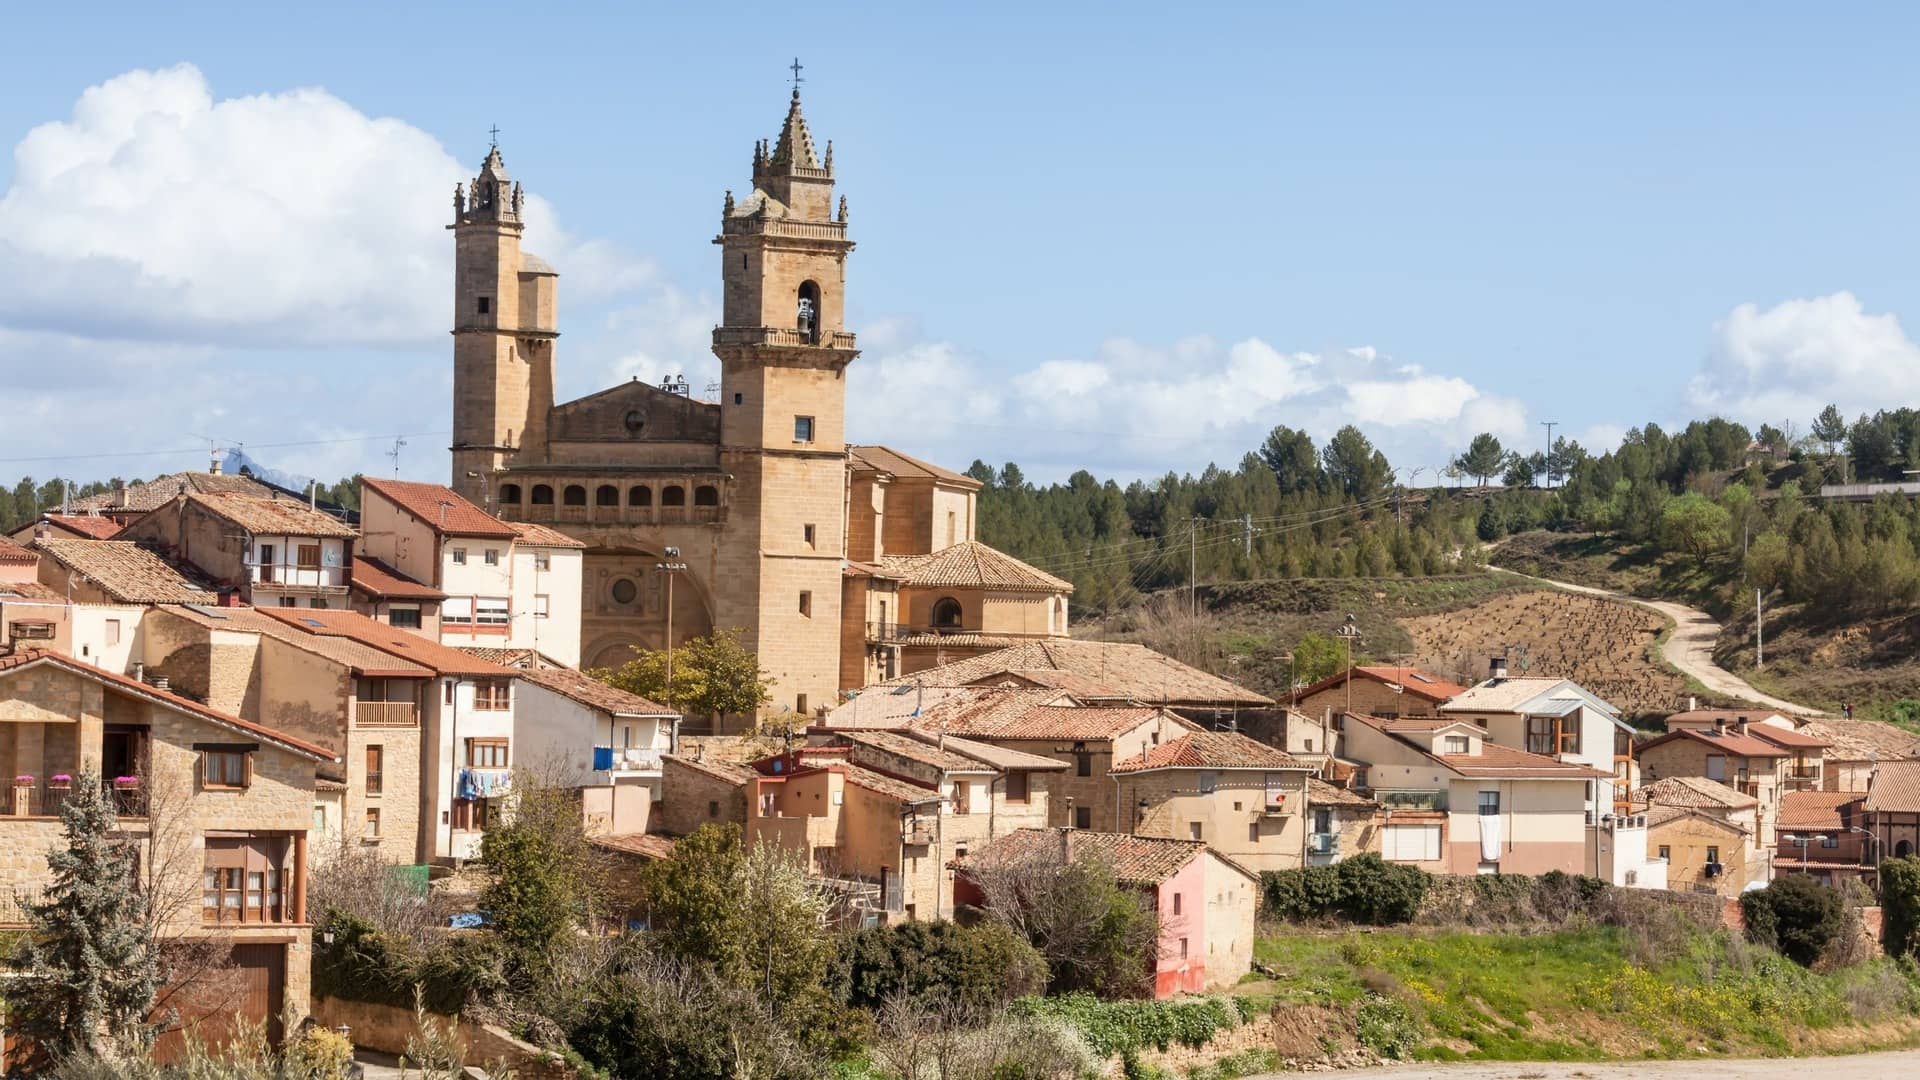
(1290, 454)
(1318, 656)
(1768, 561)
(87, 976)
(1900, 905)
(712, 676)
(1830, 428)
(1796, 915)
(1095, 934)
(1353, 466)
(545, 886)
(1483, 457)
(1695, 524)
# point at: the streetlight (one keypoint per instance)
(1801, 843)
(1348, 631)
(670, 565)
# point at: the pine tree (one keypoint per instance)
(88, 976)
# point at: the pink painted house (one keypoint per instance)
(1206, 902)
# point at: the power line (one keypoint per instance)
(200, 450)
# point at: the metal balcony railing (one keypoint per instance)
(315, 577)
(1322, 843)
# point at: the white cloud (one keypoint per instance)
(1789, 361)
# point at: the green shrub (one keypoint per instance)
(1795, 915)
(1900, 905)
(318, 1054)
(1386, 1027)
(1375, 891)
(1310, 892)
(981, 965)
(1118, 1027)
(363, 964)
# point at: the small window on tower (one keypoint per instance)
(803, 429)
(806, 604)
(485, 304)
(807, 532)
(739, 399)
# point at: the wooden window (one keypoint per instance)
(1570, 737)
(406, 618)
(962, 797)
(459, 556)
(307, 556)
(226, 769)
(373, 823)
(487, 753)
(472, 815)
(1539, 734)
(1017, 786)
(374, 760)
(244, 880)
(490, 695)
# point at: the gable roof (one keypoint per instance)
(1136, 860)
(440, 508)
(1210, 750)
(270, 516)
(731, 772)
(1817, 809)
(125, 571)
(1077, 723)
(971, 564)
(1412, 681)
(591, 692)
(142, 496)
(24, 659)
(1787, 737)
(87, 526)
(1658, 816)
(1693, 791)
(888, 460)
(1494, 761)
(914, 748)
(644, 845)
(374, 578)
(401, 643)
(1135, 671)
(1895, 787)
(934, 707)
(1321, 793)
(534, 534)
(348, 653)
(1725, 741)
(1863, 740)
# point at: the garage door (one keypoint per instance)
(1410, 843)
(249, 989)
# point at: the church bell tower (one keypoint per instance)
(504, 326)
(783, 352)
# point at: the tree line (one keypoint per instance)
(26, 500)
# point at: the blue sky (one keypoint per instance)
(1130, 240)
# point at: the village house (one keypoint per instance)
(1823, 834)
(1702, 857)
(506, 585)
(1377, 690)
(1803, 770)
(1244, 798)
(127, 502)
(1344, 823)
(1452, 801)
(1892, 810)
(697, 789)
(1555, 718)
(1857, 748)
(384, 594)
(271, 552)
(89, 526)
(581, 733)
(1206, 902)
(1728, 755)
(219, 806)
(97, 593)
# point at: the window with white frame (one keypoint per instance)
(458, 610)
(491, 557)
(458, 555)
(540, 605)
(492, 611)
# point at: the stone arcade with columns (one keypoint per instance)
(758, 490)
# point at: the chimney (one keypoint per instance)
(1720, 723)
(120, 494)
(1496, 667)
(213, 466)
(1692, 703)
(1741, 725)
(139, 671)
(161, 682)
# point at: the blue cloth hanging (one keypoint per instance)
(602, 758)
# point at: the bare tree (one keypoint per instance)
(198, 976)
(1095, 933)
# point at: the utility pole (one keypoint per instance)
(1246, 529)
(1193, 567)
(1550, 425)
(670, 565)
(1348, 631)
(1759, 633)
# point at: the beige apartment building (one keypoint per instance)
(271, 552)
(1243, 798)
(219, 806)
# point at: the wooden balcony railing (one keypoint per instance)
(386, 714)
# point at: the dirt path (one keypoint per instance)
(1889, 1063)
(1690, 646)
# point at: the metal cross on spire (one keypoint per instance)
(494, 133)
(797, 66)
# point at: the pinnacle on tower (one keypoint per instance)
(493, 196)
(795, 145)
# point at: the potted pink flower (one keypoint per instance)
(58, 781)
(126, 783)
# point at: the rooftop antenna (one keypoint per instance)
(395, 455)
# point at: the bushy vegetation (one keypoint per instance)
(1112, 1028)
(978, 966)
(1796, 916)
(1363, 889)
(1900, 905)
(362, 962)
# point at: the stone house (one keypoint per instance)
(696, 791)
(1377, 690)
(220, 807)
(1703, 852)
(1243, 798)
(96, 594)
(1715, 800)
(1341, 823)
(1206, 902)
(1455, 802)
(1856, 748)
(507, 585)
(1892, 809)
(1560, 719)
(87, 526)
(129, 501)
(1733, 756)
(271, 552)
(1824, 833)
(1804, 769)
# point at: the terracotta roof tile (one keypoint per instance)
(1321, 793)
(1136, 860)
(1413, 681)
(732, 772)
(592, 692)
(1788, 738)
(440, 508)
(28, 657)
(645, 845)
(1863, 740)
(12, 554)
(1817, 809)
(375, 578)
(29, 590)
(272, 516)
(346, 652)
(1693, 791)
(143, 496)
(1084, 687)
(1492, 762)
(935, 706)
(964, 639)
(1133, 670)
(1661, 815)
(1074, 722)
(882, 784)
(401, 643)
(1423, 723)
(534, 534)
(1728, 741)
(1895, 787)
(125, 571)
(89, 526)
(971, 564)
(914, 748)
(1211, 750)
(888, 460)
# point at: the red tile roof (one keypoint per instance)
(1135, 671)
(142, 496)
(732, 772)
(972, 565)
(1075, 722)
(1895, 787)
(1791, 740)
(90, 526)
(534, 534)
(125, 571)
(591, 692)
(272, 517)
(375, 578)
(401, 643)
(1817, 809)
(1321, 793)
(1211, 750)
(1693, 791)
(441, 508)
(1726, 742)
(26, 658)
(1492, 762)
(12, 554)
(1412, 681)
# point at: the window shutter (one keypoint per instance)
(246, 766)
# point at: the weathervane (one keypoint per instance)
(797, 80)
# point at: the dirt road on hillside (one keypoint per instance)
(1889, 1064)
(1690, 646)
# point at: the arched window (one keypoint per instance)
(575, 495)
(510, 493)
(640, 496)
(673, 495)
(542, 495)
(946, 613)
(624, 591)
(807, 315)
(706, 495)
(1903, 849)
(606, 495)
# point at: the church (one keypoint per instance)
(839, 565)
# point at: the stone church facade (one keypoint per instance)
(840, 565)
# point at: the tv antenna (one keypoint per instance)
(395, 455)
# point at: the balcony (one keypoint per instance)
(1323, 843)
(631, 759)
(1413, 800)
(782, 337)
(284, 576)
(386, 714)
